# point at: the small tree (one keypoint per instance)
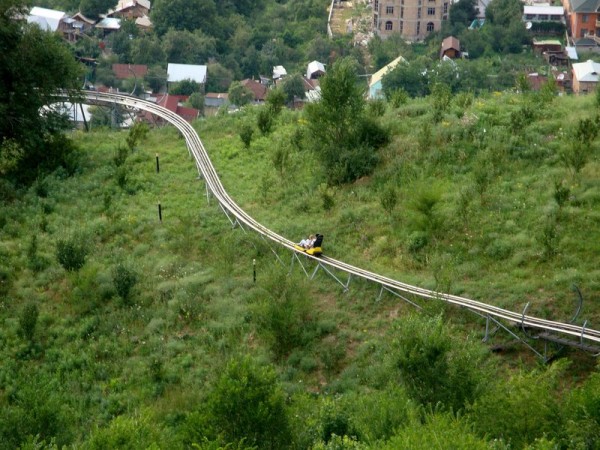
(265, 120)
(389, 199)
(71, 254)
(246, 133)
(239, 94)
(137, 133)
(247, 404)
(276, 100)
(124, 279)
(28, 321)
(185, 87)
(196, 100)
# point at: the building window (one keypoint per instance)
(584, 18)
(445, 8)
(431, 11)
(401, 26)
(543, 17)
(418, 13)
(529, 16)
(583, 33)
(388, 26)
(418, 27)
(402, 12)
(430, 27)
(376, 5)
(389, 10)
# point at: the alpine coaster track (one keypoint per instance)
(558, 332)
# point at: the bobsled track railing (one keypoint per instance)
(560, 333)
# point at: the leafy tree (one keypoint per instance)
(434, 368)
(239, 94)
(265, 119)
(196, 100)
(504, 12)
(293, 87)
(522, 408)
(156, 78)
(219, 78)
(448, 431)
(462, 13)
(38, 407)
(582, 413)
(33, 65)
(120, 44)
(124, 279)
(187, 15)
(93, 8)
(246, 133)
(186, 47)
(409, 77)
(185, 87)
(247, 404)
(384, 51)
(275, 100)
(71, 253)
(137, 133)
(147, 50)
(344, 139)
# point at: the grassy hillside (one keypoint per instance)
(476, 210)
(162, 337)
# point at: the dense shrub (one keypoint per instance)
(71, 253)
(124, 279)
(435, 368)
(522, 408)
(28, 321)
(247, 404)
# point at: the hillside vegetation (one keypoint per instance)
(118, 330)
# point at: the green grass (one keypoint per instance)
(195, 306)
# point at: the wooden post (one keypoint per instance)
(157, 164)
(159, 212)
(254, 269)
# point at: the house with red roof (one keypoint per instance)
(124, 71)
(258, 89)
(173, 103)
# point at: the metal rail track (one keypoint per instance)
(586, 337)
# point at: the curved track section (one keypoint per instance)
(204, 165)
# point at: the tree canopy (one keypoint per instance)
(34, 64)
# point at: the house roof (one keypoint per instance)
(109, 23)
(81, 18)
(47, 19)
(144, 22)
(377, 76)
(215, 98)
(450, 42)
(259, 90)
(171, 102)
(587, 71)
(278, 72)
(583, 6)
(180, 72)
(123, 71)
(124, 4)
(310, 84)
(544, 9)
(314, 67)
(572, 52)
